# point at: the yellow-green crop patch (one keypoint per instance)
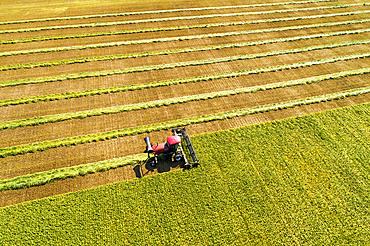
(301, 180)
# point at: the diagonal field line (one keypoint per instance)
(181, 38)
(176, 28)
(102, 136)
(106, 24)
(176, 51)
(177, 100)
(164, 11)
(168, 66)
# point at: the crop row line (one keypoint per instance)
(69, 95)
(181, 38)
(162, 11)
(176, 51)
(106, 24)
(176, 28)
(77, 140)
(173, 65)
(45, 177)
(177, 100)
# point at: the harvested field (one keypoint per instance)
(194, 52)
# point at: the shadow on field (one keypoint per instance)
(164, 165)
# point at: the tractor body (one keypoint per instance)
(172, 148)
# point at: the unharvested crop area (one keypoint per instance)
(79, 89)
(291, 182)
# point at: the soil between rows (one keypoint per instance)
(103, 123)
(46, 9)
(174, 73)
(129, 97)
(164, 15)
(128, 172)
(73, 54)
(166, 34)
(172, 58)
(174, 23)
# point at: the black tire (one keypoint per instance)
(178, 156)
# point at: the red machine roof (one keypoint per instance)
(173, 140)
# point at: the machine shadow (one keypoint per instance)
(164, 165)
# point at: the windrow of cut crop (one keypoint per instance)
(177, 51)
(70, 95)
(46, 177)
(176, 28)
(181, 38)
(165, 102)
(162, 11)
(177, 18)
(77, 140)
(176, 65)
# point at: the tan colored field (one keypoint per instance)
(14, 166)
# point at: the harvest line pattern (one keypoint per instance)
(171, 39)
(106, 24)
(161, 29)
(163, 11)
(177, 51)
(94, 92)
(165, 102)
(175, 65)
(102, 136)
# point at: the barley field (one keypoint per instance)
(82, 83)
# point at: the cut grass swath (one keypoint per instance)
(72, 141)
(162, 11)
(106, 24)
(176, 28)
(170, 39)
(175, 65)
(70, 95)
(176, 51)
(165, 102)
(42, 178)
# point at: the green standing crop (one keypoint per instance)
(295, 181)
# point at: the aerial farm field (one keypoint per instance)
(83, 82)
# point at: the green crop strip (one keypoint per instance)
(45, 177)
(106, 24)
(176, 51)
(165, 102)
(171, 39)
(162, 11)
(70, 95)
(27, 40)
(173, 65)
(297, 181)
(72, 141)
